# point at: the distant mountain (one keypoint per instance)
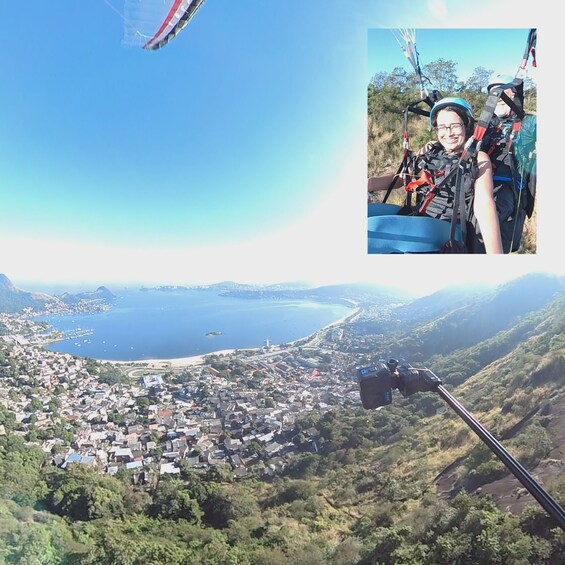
(13, 299)
(226, 285)
(440, 303)
(364, 292)
(101, 294)
(358, 292)
(6, 284)
(296, 285)
(231, 285)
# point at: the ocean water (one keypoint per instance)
(157, 324)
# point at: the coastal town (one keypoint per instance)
(243, 409)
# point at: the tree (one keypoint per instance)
(398, 79)
(305, 465)
(443, 75)
(20, 470)
(143, 403)
(7, 419)
(183, 377)
(35, 405)
(54, 405)
(80, 493)
(35, 547)
(194, 484)
(478, 81)
(219, 474)
(291, 490)
(228, 503)
(172, 501)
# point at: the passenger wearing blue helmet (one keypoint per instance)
(510, 141)
(452, 120)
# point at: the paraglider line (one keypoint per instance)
(112, 7)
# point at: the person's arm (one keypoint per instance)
(375, 184)
(484, 206)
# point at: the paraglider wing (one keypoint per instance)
(178, 17)
(153, 23)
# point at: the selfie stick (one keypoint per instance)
(376, 384)
(551, 506)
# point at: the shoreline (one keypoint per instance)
(193, 360)
(176, 362)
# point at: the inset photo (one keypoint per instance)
(452, 133)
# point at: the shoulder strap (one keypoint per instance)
(459, 206)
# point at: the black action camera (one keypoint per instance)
(377, 381)
(375, 385)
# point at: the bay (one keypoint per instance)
(155, 324)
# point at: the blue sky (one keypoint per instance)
(497, 49)
(237, 151)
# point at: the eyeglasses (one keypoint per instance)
(453, 128)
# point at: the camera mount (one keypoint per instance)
(376, 383)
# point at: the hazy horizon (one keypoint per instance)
(416, 284)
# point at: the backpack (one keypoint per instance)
(510, 143)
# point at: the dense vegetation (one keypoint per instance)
(400, 485)
(389, 94)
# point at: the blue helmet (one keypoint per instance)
(498, 79)
(453, 102)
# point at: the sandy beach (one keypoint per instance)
(177, 362)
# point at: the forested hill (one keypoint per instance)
(13, 299)
(456, 318)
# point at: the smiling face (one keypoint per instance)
(450, 130)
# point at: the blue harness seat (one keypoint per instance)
(381, 209)
(391, 233)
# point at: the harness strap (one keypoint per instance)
(459, 207)
(426, 178)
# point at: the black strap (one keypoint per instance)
(430, 100)
(404, 165)
(459, 204)
(459, 210)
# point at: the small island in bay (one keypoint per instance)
(213, 333)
